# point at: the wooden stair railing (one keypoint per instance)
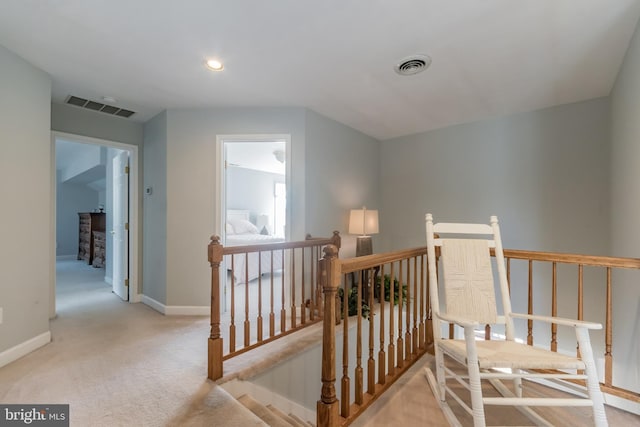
(600, 275)
(298, 305)
(405, 329)
(382, 302)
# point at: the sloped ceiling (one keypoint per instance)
(336, 57)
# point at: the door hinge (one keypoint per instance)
(126, 169)
(126, 283)
(126, 226)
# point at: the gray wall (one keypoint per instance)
(191, 177)
(252, 190)
(79, 121)
(342, 174)
(70, 199)
(155, 209)
(625, 212)
(25, 185)
(545, 174)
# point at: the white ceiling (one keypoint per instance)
(336, 57)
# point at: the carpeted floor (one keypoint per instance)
(120, 364)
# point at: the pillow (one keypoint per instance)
(229, 229)
(242, 226)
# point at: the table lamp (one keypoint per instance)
(363, 222)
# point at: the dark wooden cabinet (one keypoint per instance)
(89, 222)
(99, 246)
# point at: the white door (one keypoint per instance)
(120, 225)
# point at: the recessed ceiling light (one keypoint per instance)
(215, 65)
(108, 99)
(413, 64)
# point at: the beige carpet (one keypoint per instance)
(120, 364)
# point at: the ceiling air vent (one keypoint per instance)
(412, 65)
(98, 106)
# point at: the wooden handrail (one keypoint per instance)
(565, 258)
(297, 282)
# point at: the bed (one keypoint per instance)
(240, 231)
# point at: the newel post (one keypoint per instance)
(327, 407)
(215, 340)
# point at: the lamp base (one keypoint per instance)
(364, 246)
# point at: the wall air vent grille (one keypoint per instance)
(98, 106)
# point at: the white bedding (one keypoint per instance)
(257, 262)
(241, 232)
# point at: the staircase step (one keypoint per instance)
(262, 412)
(300, 421)
(284, 416)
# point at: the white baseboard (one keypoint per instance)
(176, 310)
(22, 349)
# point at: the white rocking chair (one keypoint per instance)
(470, 302)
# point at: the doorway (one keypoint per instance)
(95, 207)
(253, 176)
(252, 189)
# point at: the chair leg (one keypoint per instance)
(593, 385)
(517, 383)
(440, 374)
(475, 384)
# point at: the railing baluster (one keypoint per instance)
(400, 343)
(407, 332)
(247, 324)
(530, 305)
(608, 357)
(371, 362)
(259, 319)
(272, 315)
(283, 310)
(554, 306)
(293, 289)
(358, 372)
(303, 318)
(392, 349)
(414, 333)
(346, 382)
(232, 324)
(429, 322)
(381, 354)
(315, 297)
(421, 332)
(580, 306)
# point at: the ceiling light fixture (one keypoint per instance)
(413, 64)
(215, 65)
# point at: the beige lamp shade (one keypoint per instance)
(363, 221)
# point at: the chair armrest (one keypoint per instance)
(559, 321)
(461, 321)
